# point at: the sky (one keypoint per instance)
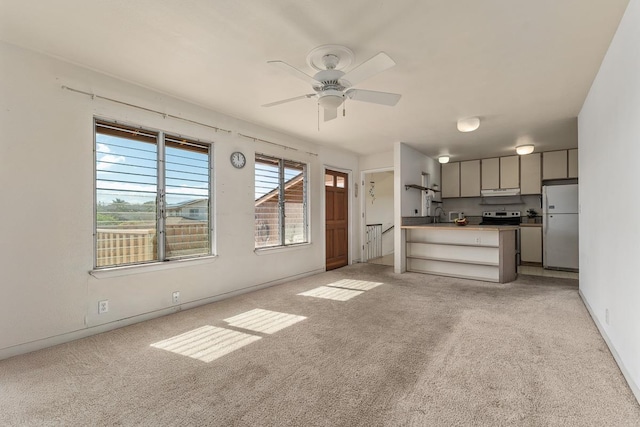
(127, 169)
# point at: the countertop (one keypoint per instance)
(530, 225)
(452, 226)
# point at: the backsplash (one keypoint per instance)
(415, 220)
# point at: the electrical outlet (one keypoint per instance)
(103, 306)
(606, 316)
(176, 297)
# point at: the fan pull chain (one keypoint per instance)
(344, 105)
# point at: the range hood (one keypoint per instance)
(501, 192)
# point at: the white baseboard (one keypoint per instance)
(627, 376)
(28, 347)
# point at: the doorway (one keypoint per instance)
(378, 210)
(336, 186)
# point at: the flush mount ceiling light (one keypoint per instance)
(524, 149)
(469, 124)
(443, 159)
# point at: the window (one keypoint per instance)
(153, 193)
(281, 202)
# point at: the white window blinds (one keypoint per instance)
(152, 196)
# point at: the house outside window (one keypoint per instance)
(281, 202)
(147, 184)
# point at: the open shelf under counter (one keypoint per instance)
(477, 252)
(485, 273)
(457, 244)
(479, 255)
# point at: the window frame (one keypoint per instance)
(161, 214)
(282, 226)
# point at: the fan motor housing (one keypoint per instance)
(330, 80)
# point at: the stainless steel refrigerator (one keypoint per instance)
(560, 226)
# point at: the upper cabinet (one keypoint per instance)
(461, 179)
(560, 164)
(554, 164)
(573, 164)
(502, 172)
(450, 179)
(530, 174)
(490, 174)
(470, 178)
(467, 179)
(510, 172)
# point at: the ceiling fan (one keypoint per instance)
(333, 86)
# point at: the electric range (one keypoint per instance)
(504, 218)
(501, 218)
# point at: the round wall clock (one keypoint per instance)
(238, 160)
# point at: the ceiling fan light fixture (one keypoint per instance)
(331, 101)
(444, 159)
(525, 149)
(332, 86)
(469, 124)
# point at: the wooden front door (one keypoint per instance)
(337, 218)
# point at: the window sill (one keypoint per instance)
(146, 268)
(278, 249)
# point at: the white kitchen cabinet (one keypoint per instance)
(531, 244)
(573, 163)
(470, 178)
(491, 174)
(450, 176)
(554, 164)
(530, 174)
(510, 172)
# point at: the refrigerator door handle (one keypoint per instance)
(546, 205)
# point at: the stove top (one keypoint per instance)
(500, 214)
(500, 218)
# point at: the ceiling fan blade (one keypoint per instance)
(295, 72)
(330, 114)
(309, 95)
(369, 68)
(383, 98)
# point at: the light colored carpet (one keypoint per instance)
(383, 260)
(417, 350)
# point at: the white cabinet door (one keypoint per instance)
(490, 174)
(530, 174)
(554, 164)
(531, 244)
(510, 172)
(573, 163)
(450, 174)
(470, 178)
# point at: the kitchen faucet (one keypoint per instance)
(436, 216)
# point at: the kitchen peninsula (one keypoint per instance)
(480, 252)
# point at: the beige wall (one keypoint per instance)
(409, 165)
(609, 130)
(46, 167)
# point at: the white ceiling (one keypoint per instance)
(523, 66)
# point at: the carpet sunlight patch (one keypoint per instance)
(360, 285)
(264, 321)
(206, 343)
(327, 292)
